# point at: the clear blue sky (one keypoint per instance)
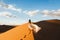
(30, 6)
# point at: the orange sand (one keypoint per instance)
(18, 33)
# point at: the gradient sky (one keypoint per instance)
(35, 7)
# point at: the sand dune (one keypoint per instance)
(20, 32)
(50, 30)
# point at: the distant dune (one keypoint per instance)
(4, 28)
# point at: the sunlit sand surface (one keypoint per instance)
(20, 32)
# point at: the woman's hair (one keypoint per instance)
(29, 21)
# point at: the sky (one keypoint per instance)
(16, 12)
